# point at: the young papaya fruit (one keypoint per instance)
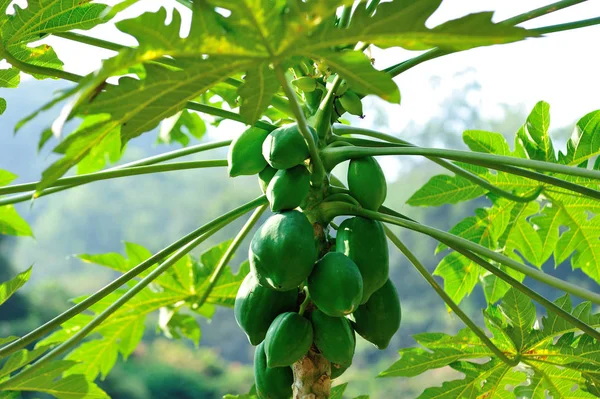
(265, 176)
(289, 337)
(288, 188)
(363, 241)
(334, 337)
(256, 307)
(305, 83)
(283, 251)
(285, 147)
(335, 284)
(352, 103)
(337, 370)
(271, 383)
(245, 153)
(378, 320)
(366, 182)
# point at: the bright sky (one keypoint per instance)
(560, 68)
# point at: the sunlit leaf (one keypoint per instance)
(180, 127)
(47, 379)
(259, 87)
(13, 224)
(8, 288)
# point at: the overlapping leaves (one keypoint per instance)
(255, 35)
(50, 379)
(556, 361)
(558, 223)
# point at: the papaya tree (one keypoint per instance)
(317, 269)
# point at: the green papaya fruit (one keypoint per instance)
(256, 307)
(283, 251)
(245, 153)
(289, 337)
(352, 103)
(306, 84)
(334, 337)
(271, 383)
(288, 188)
(265, 176)
(285, 147)
(378, 320)
(363, 241)
(335, 284)
(337, 370)
(366, 182)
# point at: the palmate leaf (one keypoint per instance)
(554, 360)
(47, 380)
(557, 224)
(120, 334)
(256, 34)
(402, 24)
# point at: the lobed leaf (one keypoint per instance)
(8, 288)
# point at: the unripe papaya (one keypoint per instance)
(363, 241)
(245, 153)
(351, 102)
(265, 176)
(337, 370)
(366, 182)
(256, 307)
(283, 251)
(271, 383)
(285, 147)
(334, 337)
(378, 320)
(289, 337)
(306, 84)
(335, 284)
(288, 188)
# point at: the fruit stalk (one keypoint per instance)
(312, 376)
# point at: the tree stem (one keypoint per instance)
(334, 156)
(113, 174)
(312, 376)
(215, 225)
(344, 130)
(142, 162)
(318, 172)
(333, 209)
(446, 298)
(235, 244)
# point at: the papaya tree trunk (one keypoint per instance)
(312, 376)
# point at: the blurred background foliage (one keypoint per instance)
(156, 210)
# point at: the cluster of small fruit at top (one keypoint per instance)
(346, 284)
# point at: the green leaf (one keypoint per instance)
(337, 392)
(8, 288)
(175, 325)
(555, 359)
(444, 189)
(20, 359)
(403, 24)
(47, 380)
(487, 142)
(355, 67)
(257, 91)
(584, 142)
(2, 105)
(533, 136)
(6, 177)
(9, 78)
(180, 127)
(43, 17)
(441, 350)
(13, 224)
(7, 340)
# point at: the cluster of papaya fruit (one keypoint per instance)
(306, 291)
